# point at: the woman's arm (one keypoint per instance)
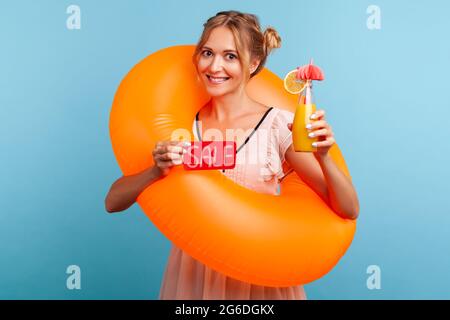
(327, 180)
(125, 190)
(320, 172)
(341, 192)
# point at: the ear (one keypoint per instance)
(254, 65)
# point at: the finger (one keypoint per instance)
(164, 144)
(174, 142)
(169, 163)
(319, 133)
(159, 144)
(318, 124)
(177, 162)
(159, 150)
(162, 158)
(184, 144)
(325, 143)
(176, 149)
(167, 147)
(170, 156)
(317, 115)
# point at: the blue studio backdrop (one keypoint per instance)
(386, 63)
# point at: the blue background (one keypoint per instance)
(386, 96)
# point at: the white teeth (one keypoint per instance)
(217, 80)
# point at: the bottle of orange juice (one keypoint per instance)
(305, 108)
(299, 81)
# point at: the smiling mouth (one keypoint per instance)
(217, 80)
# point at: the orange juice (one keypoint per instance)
(305, 108)
(300, 137)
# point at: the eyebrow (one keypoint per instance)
(229, 50)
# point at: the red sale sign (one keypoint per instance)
(208, 155)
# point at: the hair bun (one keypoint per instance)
(272, 39)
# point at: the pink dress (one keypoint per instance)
(260, 165)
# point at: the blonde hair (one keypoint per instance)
(251, 42)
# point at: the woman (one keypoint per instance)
(231, 50)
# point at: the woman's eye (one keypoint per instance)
(206, 53)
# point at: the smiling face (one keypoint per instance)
(219, 65)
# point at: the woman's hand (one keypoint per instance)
(321, 129)
(166, 155)
(125, 190)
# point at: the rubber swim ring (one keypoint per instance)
(269, 240)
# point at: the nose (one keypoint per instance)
(216, 64)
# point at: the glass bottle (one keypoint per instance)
(305, 108)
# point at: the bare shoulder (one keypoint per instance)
(259, 109)
(263, 107)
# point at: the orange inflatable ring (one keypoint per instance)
(268, 240)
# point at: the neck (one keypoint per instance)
(230, 106)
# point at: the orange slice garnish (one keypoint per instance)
(292, 84)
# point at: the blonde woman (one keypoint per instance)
(232, 49)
